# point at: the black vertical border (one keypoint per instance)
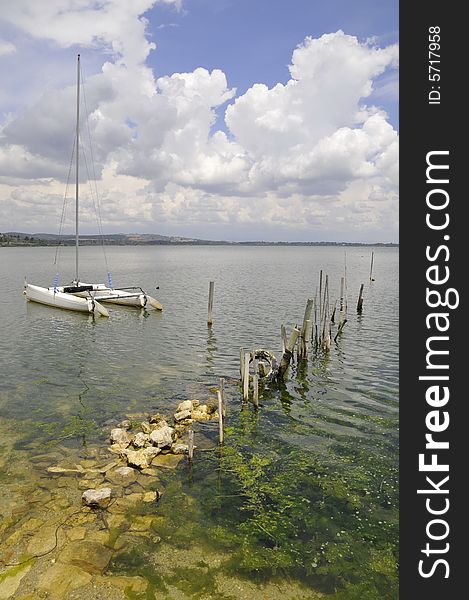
(425, 128)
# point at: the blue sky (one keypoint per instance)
(252, 40)
(210, 118)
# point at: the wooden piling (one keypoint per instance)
(247, 358)
(325, 310)
(371, 267)
(341, 305)
(283, 333)
(241, 363)
(302, 347)
(210, 303)
(222, 392)
(339, 329)
(333, 312)
(255, 381)
(287, 355)
(306, 339)
(191, 445)
(220, 417)
(320, 300)
(360, 300)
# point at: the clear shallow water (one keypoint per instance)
(67, 374)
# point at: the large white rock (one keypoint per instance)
(186, 405)
(138, 458)
(151, 452)
(162, 437)
(182, 415)
(120, 436)
(140, 440)
(97, 498)
(145, 425)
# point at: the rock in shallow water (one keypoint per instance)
(140, 440)
(182, 415)
(97, 498)
(186, 405)
(90, 556)
(60, 579)
(120, 436)
(180, 449)
(156, 418)
(122, 476)
(162, 437)
(141, 458)
(145, 426)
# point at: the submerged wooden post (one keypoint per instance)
(325, 310)
(191, 445)
(222, 392)
(306, 338)
(371, 267)
(327, 342)
(339, 329)
(247, 358)
(283, 333)
(210, 303)
(287, 355)
(220, 417)
(333, 312)
(341, 306)
(302, 344)
(320, 302)
(360, 300)
(255, 381)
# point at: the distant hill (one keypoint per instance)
(15, 238)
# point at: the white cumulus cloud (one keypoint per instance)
(311, 155)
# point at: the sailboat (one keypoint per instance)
(81, 296)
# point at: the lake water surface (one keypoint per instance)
(302, 500)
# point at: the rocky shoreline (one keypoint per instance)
(84, 512)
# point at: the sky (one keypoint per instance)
(215, 119)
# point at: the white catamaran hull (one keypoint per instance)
(60, 299)
(102, 293)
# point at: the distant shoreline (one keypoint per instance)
(14, 239)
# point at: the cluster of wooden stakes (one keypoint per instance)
(314, 336)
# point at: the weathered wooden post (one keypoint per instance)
(283, 333)
(210, 303)
(320, 303)
(333, 312)
(287, 355)
(220, 417)
(302, 347)
(222, 392)
(255, 381)
(325, 310)
(371, 267)
(341, 306)
(241, 363)
(307, 338)
(247, 358)
(339, 329)
(191, 445)
(360, 300)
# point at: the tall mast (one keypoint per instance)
(77, 162)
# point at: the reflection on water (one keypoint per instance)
(319, 459)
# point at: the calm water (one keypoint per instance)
(327, 439)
